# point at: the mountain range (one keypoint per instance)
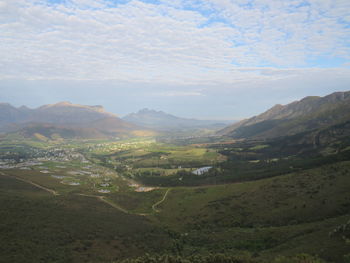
(162, 121)
(315, 117)
(66, 120)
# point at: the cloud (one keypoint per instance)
(174, 42)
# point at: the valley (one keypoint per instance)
(253, 201)
(178, 198)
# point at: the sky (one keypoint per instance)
(212, 59)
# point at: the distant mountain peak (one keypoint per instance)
(67, 104)
(161, 120)
(144, 110)
(58, 104)
(147, 110)
(64, 103)
(23, 107)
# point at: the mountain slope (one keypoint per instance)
(66, 112)
(66, 120)
(163, 121)
(310, 113)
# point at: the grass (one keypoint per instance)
(39, 227)
(138, 202)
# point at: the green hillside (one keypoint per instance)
(282, 215)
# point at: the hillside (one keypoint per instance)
(66, 120)
(66, 112)
(308, 114)
(163, 121)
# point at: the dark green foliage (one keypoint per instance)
(240, 170)
(219, 258)
(302, 258)
(211, 258)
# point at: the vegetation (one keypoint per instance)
(109, 200)
(39, 227)
(220, 258)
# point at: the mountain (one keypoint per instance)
(160, 120)
(309, 114)
(66, 112)
(10, 114)
(66, 120)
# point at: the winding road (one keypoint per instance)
(161, 201)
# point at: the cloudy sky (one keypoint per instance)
(194, 58)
